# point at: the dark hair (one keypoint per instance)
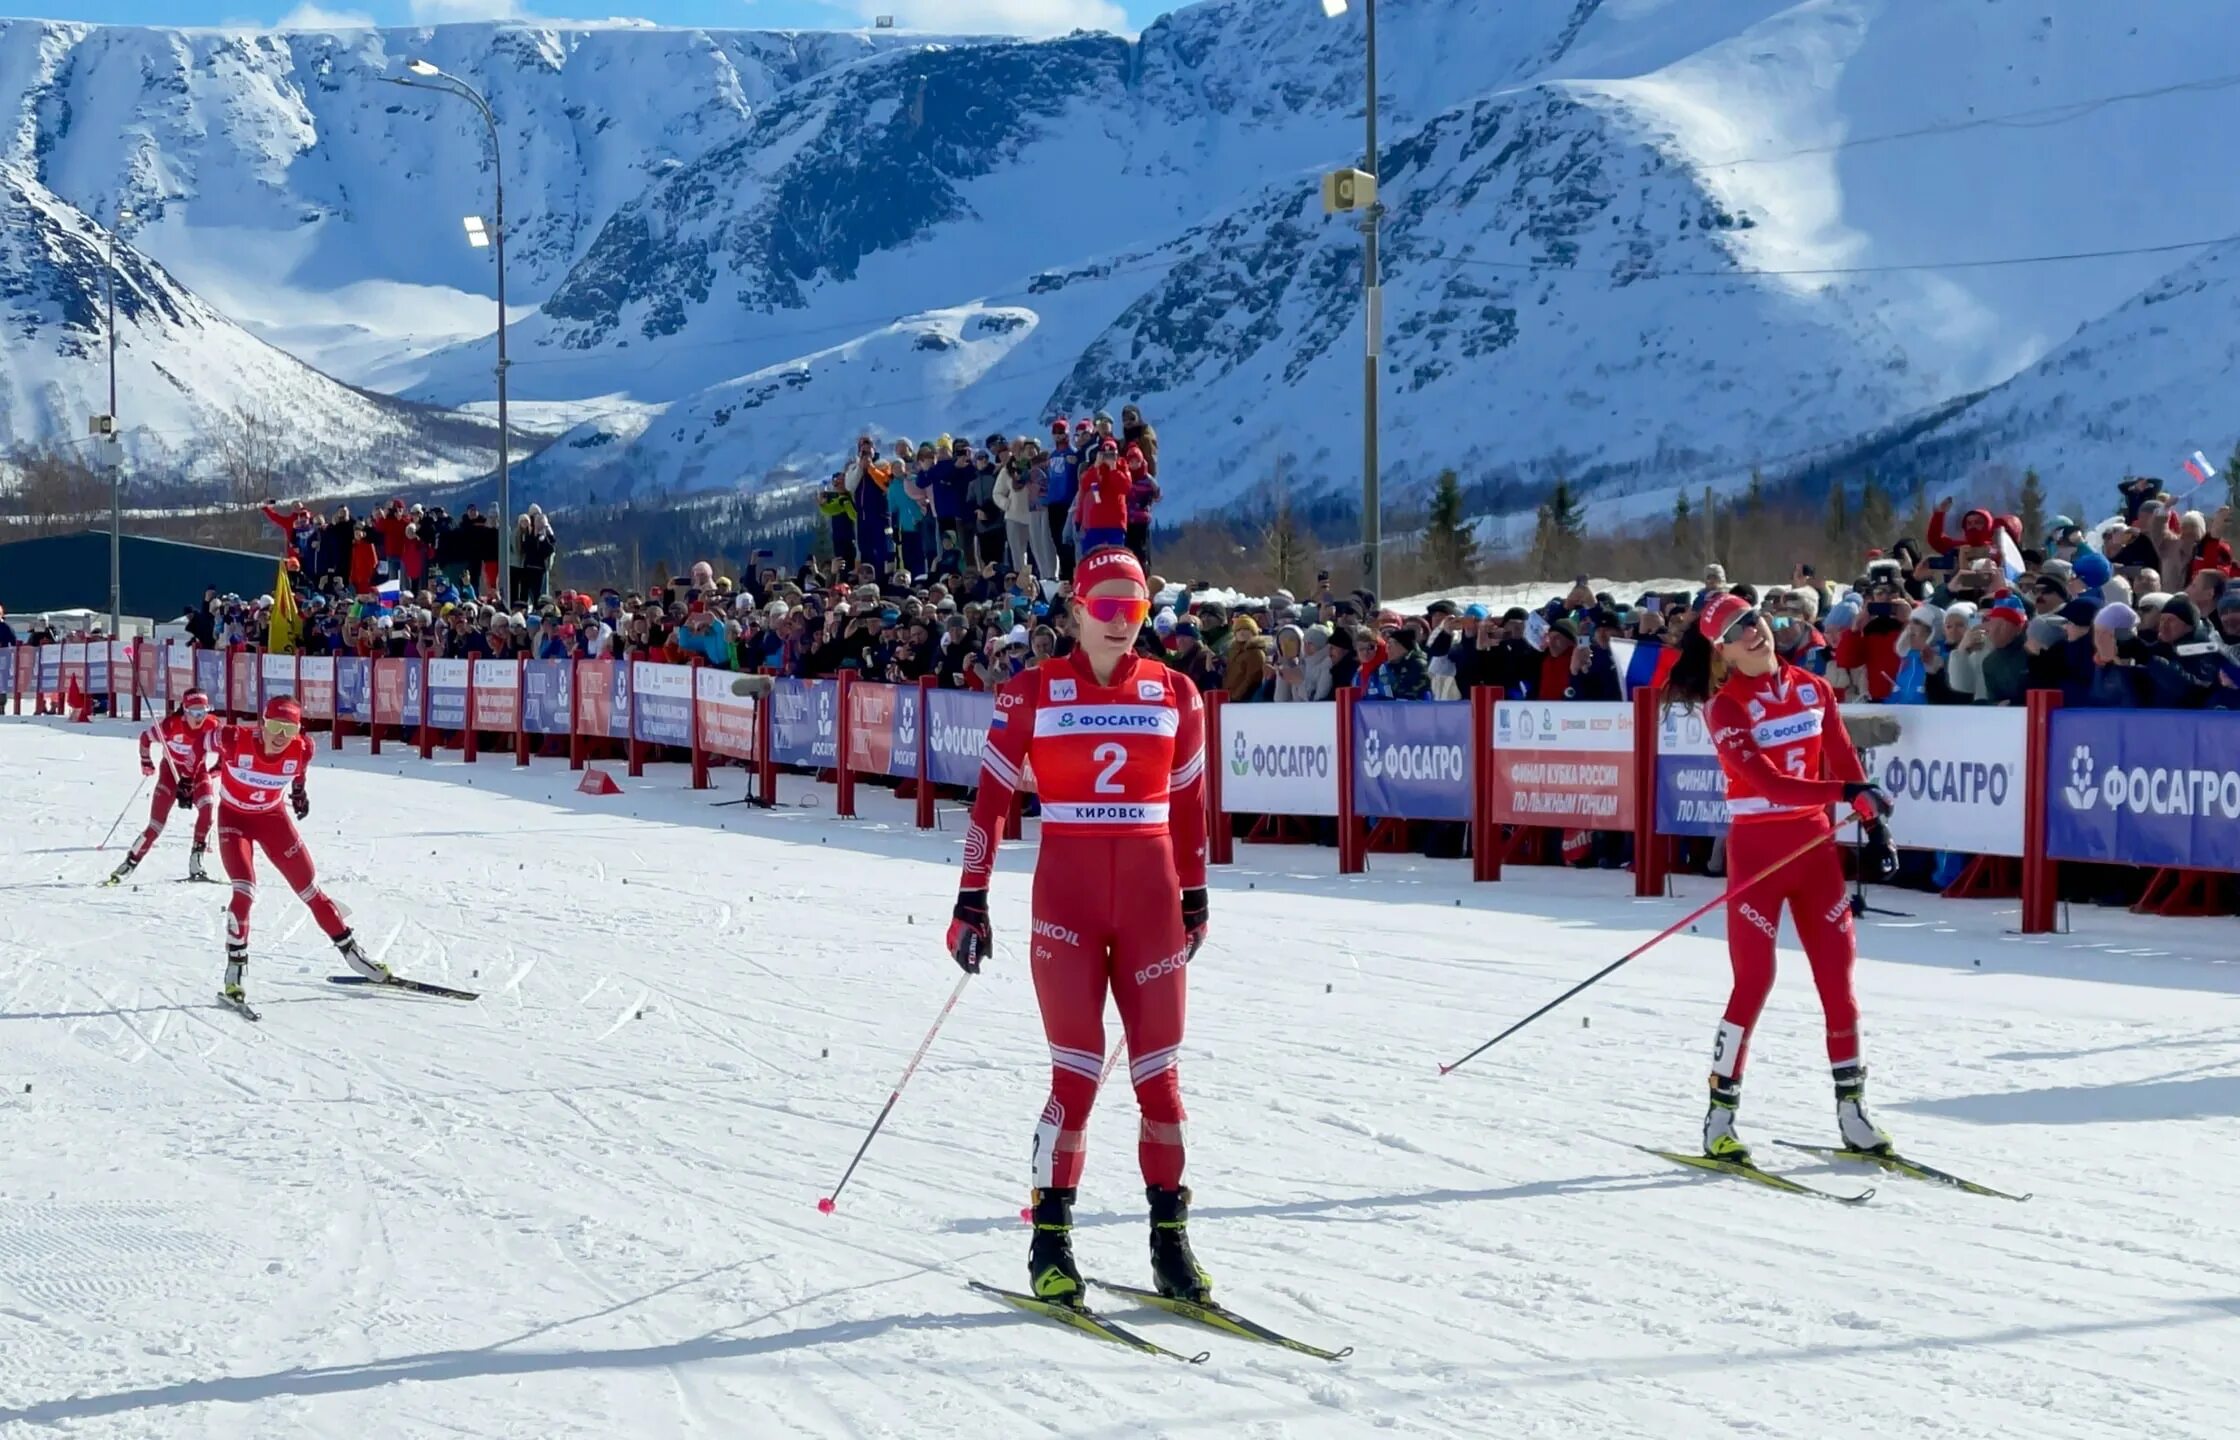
(1690, 684)
(1747, 592)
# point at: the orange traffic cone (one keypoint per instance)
(598, 782)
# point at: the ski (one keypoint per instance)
(1087, 1322)
(1746, 1171)
(239, 1007)
(1898, 1164)
(1222, 1318)
(413, 987)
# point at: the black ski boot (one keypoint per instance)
(1175, 1272)
(1051, 1273)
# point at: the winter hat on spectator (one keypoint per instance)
(1841, 614)
(2115, 589)
(2152, 603)
(2229, 602)
(1928, 615)
(1965, 610)
(2092, 568)
(1135, 457)
(1186, 629)
(1474, 612)
(2121, 619)
(2057, 570)
(1163, 622)
(2183, 607)
(2047, 631)
(2009, 610)
(2079, 612)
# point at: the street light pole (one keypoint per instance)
(1372, 519)
(453, 85)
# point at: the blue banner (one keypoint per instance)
(412, 689)
(2133, 787)
(97, 668)
(661, 703)
(50, 669)
(209, 674)
(447, 694)
(547, 696)
(804, 725)
(957, 732)
(1691, 795)
(1411, 760)
(902, 760)
(353, 688)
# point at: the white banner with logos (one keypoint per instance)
(1279, 759)
(1954, 773)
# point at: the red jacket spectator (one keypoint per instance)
(1873, 644)
(1975, 529)
(1143, 490)
(390, 525)
(1103, 502)
(2214, 554)
(364, 560)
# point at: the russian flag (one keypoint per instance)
(2010, 559)
(388, 593)
(2198, 466)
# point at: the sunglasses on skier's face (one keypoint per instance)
(280, 732)
(1740, 629)
(1108, 609)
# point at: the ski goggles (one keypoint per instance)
(1107, 609)
(196, 713)
(280, 732)
(1743, 623)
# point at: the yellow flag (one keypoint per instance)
(286, 628)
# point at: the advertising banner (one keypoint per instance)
(50, 671)
(447, 694)
(804, 723)
(1691, 788)
(1954, 774)
(178, 667)
(957, 733)
(210, 675)
(25, 658)
(871, 727)
(661, 700)
(73, 665)
(278, 673)
(97, 667)
(729, 724)
(1279, 759)
(242, 670)
(353, 688)
(396, 692)
(1566, 763)
(596, 683)
(1411, 760)
(316, 682)
(2137, 788)
(148, 677)
(547, 697)
(496, 706)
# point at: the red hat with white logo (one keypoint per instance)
(1110, 563)
(1718, 617)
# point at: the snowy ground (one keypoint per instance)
(585, 1206)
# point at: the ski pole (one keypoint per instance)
(113, 824)
(830, 1202)
(1733, 888)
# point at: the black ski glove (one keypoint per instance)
(970, 938)
(299, 800)
(1869, 801)
(1194, 915)
(1878, 853)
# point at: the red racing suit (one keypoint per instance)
(1120, 771)
(181, 777)
(252, 813)
(1786, 755)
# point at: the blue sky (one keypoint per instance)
(1020, 16)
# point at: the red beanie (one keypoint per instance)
(1109, 563)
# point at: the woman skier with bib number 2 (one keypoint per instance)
(1117, 741)
(1787, 758)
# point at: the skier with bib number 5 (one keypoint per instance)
(1117, 741)
(256, 765)
(1787, 758)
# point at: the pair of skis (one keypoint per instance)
(394, 982)
(1209, 1315)
(1891, 1161)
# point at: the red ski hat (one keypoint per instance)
(1110, 563)
(1719, 616)
(284, 709)
(1058, 426)
(194, 699)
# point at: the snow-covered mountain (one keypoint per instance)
(742, 248)
(190, 382)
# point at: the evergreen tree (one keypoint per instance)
(2032, 508)
(1877, 519)
(1285, 548)
(1450, 543)
(1838, 528)
(1917, 514)
(1754, 499)
(1555, 539)
(1710, 525)
(2231, 485)
(1683, 524)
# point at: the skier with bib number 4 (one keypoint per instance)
(256, 765)
(1787, 758)
(1117, 742)
(188, 737)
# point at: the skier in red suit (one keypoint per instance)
(256, 763)
(1117, 741)
(189, 737)
(1787, 759)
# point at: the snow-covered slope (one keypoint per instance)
(1584, 197)
(183, 370)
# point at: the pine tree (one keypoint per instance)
(1450, 543)
(1285, 548)
(2032, 508)
(2231, 483)
(1710, 525)
(1838, 529)
(1754, 498)
(1877, 520)
(1683, 524)
(1555, 539)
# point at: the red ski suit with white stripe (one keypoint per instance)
(182, 777)
(1120, 772)
(252, 813)
(1786, 755)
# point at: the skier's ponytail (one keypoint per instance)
(1694, 675)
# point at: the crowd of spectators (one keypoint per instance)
(418, 546)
